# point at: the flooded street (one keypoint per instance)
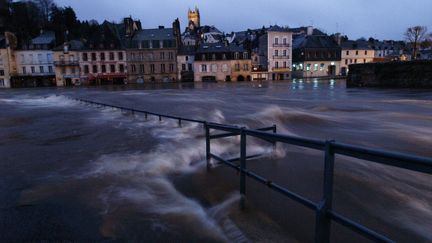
(73, 172)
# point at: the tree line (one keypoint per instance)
(27, 18)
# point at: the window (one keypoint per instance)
(120, 56)
(103, 69)
(356, 53)
(284, 64)
(190, 67)
(214, 68)
(276, 40)
(315, 67)
(170, 55)
(308, 67)
(111, 56)
(203, 57)
(364, 60)
(95, 69)
(2, 83)
(237, 67)
(121, 67)
(224, 68)
(246, 67)
(347, 52)
(236, 55)
(32, 69)
(86, 69)
(1, 61)
(245, 55)
(355, 61)
(112, 68)
(41, 69)
(276, 52)
(162, 68)
(85, 57)
(284, 53)
(1, 72)
(322, 67)
(284, 41)
(183, 67)
(276, 64)
(141, 68)
(162, 55)
(213, 56)
(102, 56)
(49, 58)
(71, 58)
(365, 52)
(93, 56)
(73, 70)
(346, 61)
(50, 69)
(187, 58)
(24, 70)
(171, 68)
(203, 68)
(133, 68)
(152, 68)
(224, 56)
(40, 58)
(63, 70)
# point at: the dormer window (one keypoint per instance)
(214, 56)
(245, 55)
(203, 57)
(236, 55)
(276, 40)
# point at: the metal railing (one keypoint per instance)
(323, 209)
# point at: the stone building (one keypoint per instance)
(102, 60)
(222, 62)
(35, 63)
(194, 19)
(66, 62)
(152, 55)
(354, 52)
(316, 56)
(275, 52)
(185, 63)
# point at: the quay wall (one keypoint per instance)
(412, 74)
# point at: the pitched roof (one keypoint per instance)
(74, 45)
(219, 47)
(187, 50)
(46, 38)
(154, 34)
(355, 45)
(314, 41)
(277, 28)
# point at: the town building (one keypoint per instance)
(222, 62)
(354, 52)
(66, 62)
(275, 52)
(316, 56)
(185, 63)
(102, 60)
(152, 55)
(35, 63)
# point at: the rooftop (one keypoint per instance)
(154, 34)
(45, 38)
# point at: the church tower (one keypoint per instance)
(194, 19)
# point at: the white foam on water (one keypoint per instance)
(41, 101)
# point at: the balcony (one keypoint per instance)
(281, 69)
(281, 57)
(281, 45)
(66, 63)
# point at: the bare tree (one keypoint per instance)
(415, 36)
(45, 7)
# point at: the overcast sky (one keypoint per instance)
(382, 19)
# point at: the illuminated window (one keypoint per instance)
(316, 67)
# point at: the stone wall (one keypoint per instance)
(414, 74)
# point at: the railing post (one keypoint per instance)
(145, 115)
(160, 118)
(207, 134)
(179, 122)
(323, 221)
(242, 168)
(274, 131)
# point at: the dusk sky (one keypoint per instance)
(382, 19)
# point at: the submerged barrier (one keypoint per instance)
(323, 209)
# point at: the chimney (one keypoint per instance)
(338, 38)
(161, 27)
(309, 30)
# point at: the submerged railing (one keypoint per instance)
(323, 209)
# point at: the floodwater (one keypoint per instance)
(73, 172)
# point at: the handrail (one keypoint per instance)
(323, 209)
